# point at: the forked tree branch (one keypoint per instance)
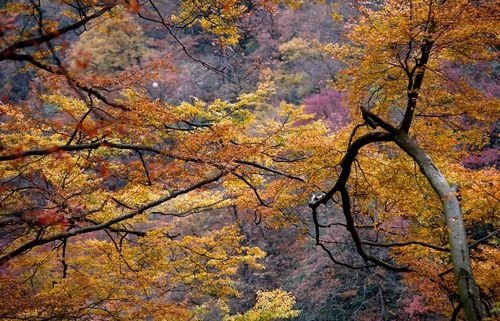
(61, 236)
(11, 50)
(12, 53)
(341, 187)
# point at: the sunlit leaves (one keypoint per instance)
(271, 305)
(149, 150)
(122, 273)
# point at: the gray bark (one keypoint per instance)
(467, 288)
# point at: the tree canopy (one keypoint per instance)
(123, 194)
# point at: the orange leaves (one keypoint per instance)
(227, 5)
(117, 161)
(133, 6)
(155, 149)
(110, 274)
(103, 170)
(48, 217)
(82, 60)
(51, 219)
(91, 130)
(389, 50)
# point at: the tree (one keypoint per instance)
(98, 178)
(110, 46)
(90, 177)
(396, 54)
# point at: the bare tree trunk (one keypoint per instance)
(467, 288)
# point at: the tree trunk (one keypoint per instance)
(467, 288)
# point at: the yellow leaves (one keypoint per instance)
(471, 32)
(298, 47)
(194, 110)
(386, 41)
(108, 182)
(335, 12)
(74, 107)
(341, 52)
(137, 264)
(10, 111)
(196, 202)
(292, 114)
(224, 110)
(478, 190)
(294, 4)
(486, 267)
(16, 121)
(270, 305)
(206, 262)
(143, 112)
(132, 277)
(221, 17)
(448, 122)
(219, 110)
(216, 17)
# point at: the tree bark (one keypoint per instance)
(467, 288)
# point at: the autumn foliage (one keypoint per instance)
(123, 196)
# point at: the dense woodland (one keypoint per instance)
(249, 160)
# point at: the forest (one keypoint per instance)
(249, 160)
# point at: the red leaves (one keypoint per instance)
(49, 217)
(103, 170)
(90, 130)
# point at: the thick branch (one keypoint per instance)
(347, 162)
(460, 257)
(414, 85)
(375, 121)
(346, 208)
(37, 242)
(89, 146)
(341, 186)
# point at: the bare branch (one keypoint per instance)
(6, 53)
(408, 243)
(272, 170)
(61, 236)
(90, 146)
